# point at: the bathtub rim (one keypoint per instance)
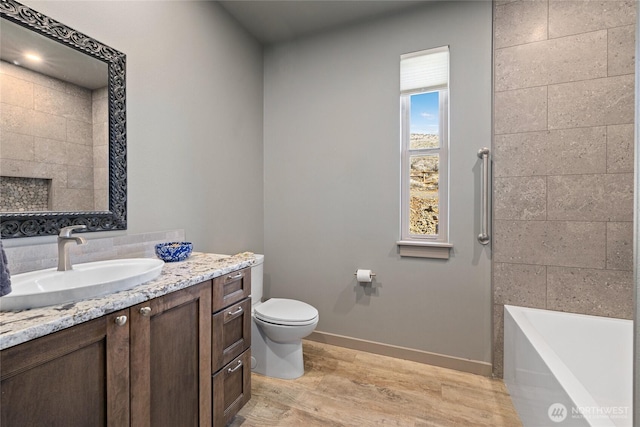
(574, 388)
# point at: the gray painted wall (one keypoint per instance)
(332, 181)
(194, 116)
(331, 165)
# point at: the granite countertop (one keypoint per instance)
(17, 327)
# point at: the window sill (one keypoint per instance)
(410, 248)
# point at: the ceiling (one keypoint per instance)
(57, 60)
(269, 21)
(273, 21)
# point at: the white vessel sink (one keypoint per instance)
(51, 287)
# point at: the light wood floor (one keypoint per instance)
(343, 387)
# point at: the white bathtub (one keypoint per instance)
(566, 369)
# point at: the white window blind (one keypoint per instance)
(424, 69)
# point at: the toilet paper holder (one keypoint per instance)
(364, 276)
(372, 274)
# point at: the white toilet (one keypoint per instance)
(277, 328)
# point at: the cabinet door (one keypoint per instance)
(231, 333)
(76, 377)
(231, 389)
(171, 359)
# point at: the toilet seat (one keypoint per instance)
(283, 311)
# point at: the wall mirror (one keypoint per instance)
(62, 128)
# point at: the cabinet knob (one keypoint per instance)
(121, 320)
(145, 311)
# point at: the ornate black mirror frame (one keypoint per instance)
(30, 224)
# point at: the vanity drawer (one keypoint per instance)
(231, 288)
(230, 333)
(231, 389)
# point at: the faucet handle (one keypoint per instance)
(66, 231)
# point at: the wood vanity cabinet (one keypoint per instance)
(75, 377)
(158, 363)
(230, 344)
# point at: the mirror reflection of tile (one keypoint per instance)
(57, 134)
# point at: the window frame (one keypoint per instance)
(422, 74)
(443, 164)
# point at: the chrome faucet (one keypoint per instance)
(64, 239)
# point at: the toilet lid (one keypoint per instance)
(286, 311)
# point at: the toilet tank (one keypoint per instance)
(257, 272)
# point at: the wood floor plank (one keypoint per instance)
(344, 387)
(387, 401)
(497, 400)
(416, 379)
(338, 408)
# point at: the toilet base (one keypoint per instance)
(275, 359)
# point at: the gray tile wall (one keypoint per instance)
(100, 129)
(563, 158)
(47, 130)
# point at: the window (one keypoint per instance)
(424, 97)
